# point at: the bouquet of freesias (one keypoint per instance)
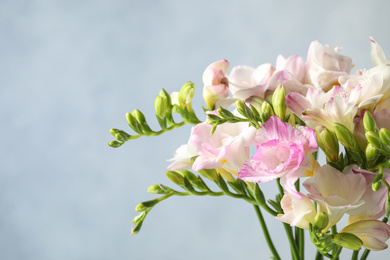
(287, 112)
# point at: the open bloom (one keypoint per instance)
(325, 65)
(320, 108)
(283, 151)
(228, 147)
(246, 81)
(373, 233)
(374, 201)
(297, 212)
(216, 85)
(336, 192)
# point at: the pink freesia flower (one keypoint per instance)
(246, 81)
(373, 233)
(216, 85)
(320, 108)
(294, 65)
(283, 151)
(297, 212)
(374, 201)
(336, 192)
(228, 147)
(325, 65)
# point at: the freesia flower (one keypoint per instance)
(374, 201)
(297, 212)
(325, 65)
(216, 84)
(228, 147)
(284, 152)
(246, 81)
(373, 233)
(320, 108)
(336, 192)
(293, 64)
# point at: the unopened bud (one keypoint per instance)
(159, 189)
(371, 153)
(160, 106)
(328, 143)
(347, 240)
(255, 102)
(345, 136)
(138, 115)
(373, 138)
(186, 94)
(377, 182)
(115, 144)
(278, 102)
(175, 177)
(369, 122)
(146, 205)
(384, 135)
(210, 174)
(321, 221)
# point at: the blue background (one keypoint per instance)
(70, 70)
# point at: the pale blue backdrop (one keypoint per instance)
(70, 70)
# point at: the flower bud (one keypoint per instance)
(278, 102)
(347, 240)
(115, 144)
(255, 102)
(138, 115)
(186, 94)
(159, 189)
(328, 143)
(371, 153)
(210, 174)
(373, 138)
(384, 135)
(377, 182)
(175, 177)
(146, 205)
(160, 106)
(320, 221)
(369, 122)
(345, 136)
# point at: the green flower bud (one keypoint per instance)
(255, 102)
(371, 153)
(328, 142)
(115, 144)
(384, 135)
(186, 94)
(377, 182)
(345, 136)
(387, 206)
(320, 221)
(369, 122)
(347, 240)
(267, 109)
(164, 94)
(146, 205)
(159, 189)
(139, 116)
(175, 177)
(278, 102)
(373, 138)
(160, 106)
(210, 174)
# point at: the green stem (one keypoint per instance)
(365, 254)
(355, 255)
(288, 229)
(266, 233)
(319, 256)
(301, 243)
(293, 245)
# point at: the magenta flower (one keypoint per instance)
(284, 152)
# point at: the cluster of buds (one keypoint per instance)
(164, 105)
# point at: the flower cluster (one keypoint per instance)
(285, 114)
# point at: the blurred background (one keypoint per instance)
(70, 70)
